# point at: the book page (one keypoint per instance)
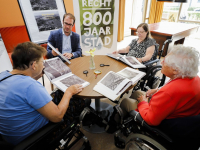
(115, 56)
(112, 85)
(67, 80)
(132, 74)
(133, 62)
(55, 68)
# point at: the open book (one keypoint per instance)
(129, 60)
(112, 85)
(63, 57)
(60, 74)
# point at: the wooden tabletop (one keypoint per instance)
(168, 28)
(78, 65)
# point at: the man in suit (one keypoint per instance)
(66, 41)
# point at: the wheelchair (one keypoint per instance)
(53, 136)
(153, 78)
(135, 133)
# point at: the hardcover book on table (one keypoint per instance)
(112, 85)
(129, 60)
(60, 74)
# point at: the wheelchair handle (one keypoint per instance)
(161, 51)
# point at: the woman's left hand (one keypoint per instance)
(142, 98)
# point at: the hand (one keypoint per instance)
(139, 59)
(54, 53)
(142, 98)
(74, 89)
(115, 52)
(151, 92)
(68, 55)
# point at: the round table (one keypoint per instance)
(78, 65)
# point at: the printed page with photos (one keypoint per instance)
(129, 60)
(132, 74)
(60, 74)
(112, 85)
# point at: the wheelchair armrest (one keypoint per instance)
(151, 62)
(37, 135)
(140, 120)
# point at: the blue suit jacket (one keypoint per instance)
(56, 39)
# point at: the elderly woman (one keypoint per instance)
(179, 97)
(143, 48)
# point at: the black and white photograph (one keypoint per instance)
(112, 80)
(48, 21)
(55, 68)
(43, 5)
(131, 60)
(128, 74)
(72, 80)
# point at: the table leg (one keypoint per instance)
(102, 109)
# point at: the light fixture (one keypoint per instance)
(181, 1)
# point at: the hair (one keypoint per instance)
(146, 29)
(26, 53)
(183, 59)
(70, 16)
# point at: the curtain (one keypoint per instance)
(156, 11)
(121, 19)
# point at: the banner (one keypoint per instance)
(97, 24)
(5, 63)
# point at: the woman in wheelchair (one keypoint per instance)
(25, 105)
(143, 48)
(178, 98)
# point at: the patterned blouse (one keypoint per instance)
(138, 50)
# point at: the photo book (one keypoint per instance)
(112, 85)
(63, 57)
(129, 60)
(60, 74)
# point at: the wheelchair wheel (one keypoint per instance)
(154, 78)
(142, 142)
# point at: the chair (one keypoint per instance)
(51, 136)
(139, 135)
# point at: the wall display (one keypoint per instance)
(5, 63)
(41, 17)
(97, 24)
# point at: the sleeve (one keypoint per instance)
(158, 109)
(150, 42)
(37, 96)
(77, 52)
(52, 42)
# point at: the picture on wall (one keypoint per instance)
(48, 21)
(43, 5)
(41, 17)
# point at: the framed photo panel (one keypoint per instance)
(41, 17)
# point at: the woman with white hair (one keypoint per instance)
(179, 97)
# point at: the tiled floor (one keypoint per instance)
(105, 141)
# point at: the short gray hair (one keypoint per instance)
(184, 59)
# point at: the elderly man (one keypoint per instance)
(25, 105)
(66, 41)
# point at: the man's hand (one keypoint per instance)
(68, 55)
(74, 89)
(54, 53)
(142, 98)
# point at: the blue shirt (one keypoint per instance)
(20, 97)
(66, 48)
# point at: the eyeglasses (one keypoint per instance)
(67, 24)
(140, 32)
